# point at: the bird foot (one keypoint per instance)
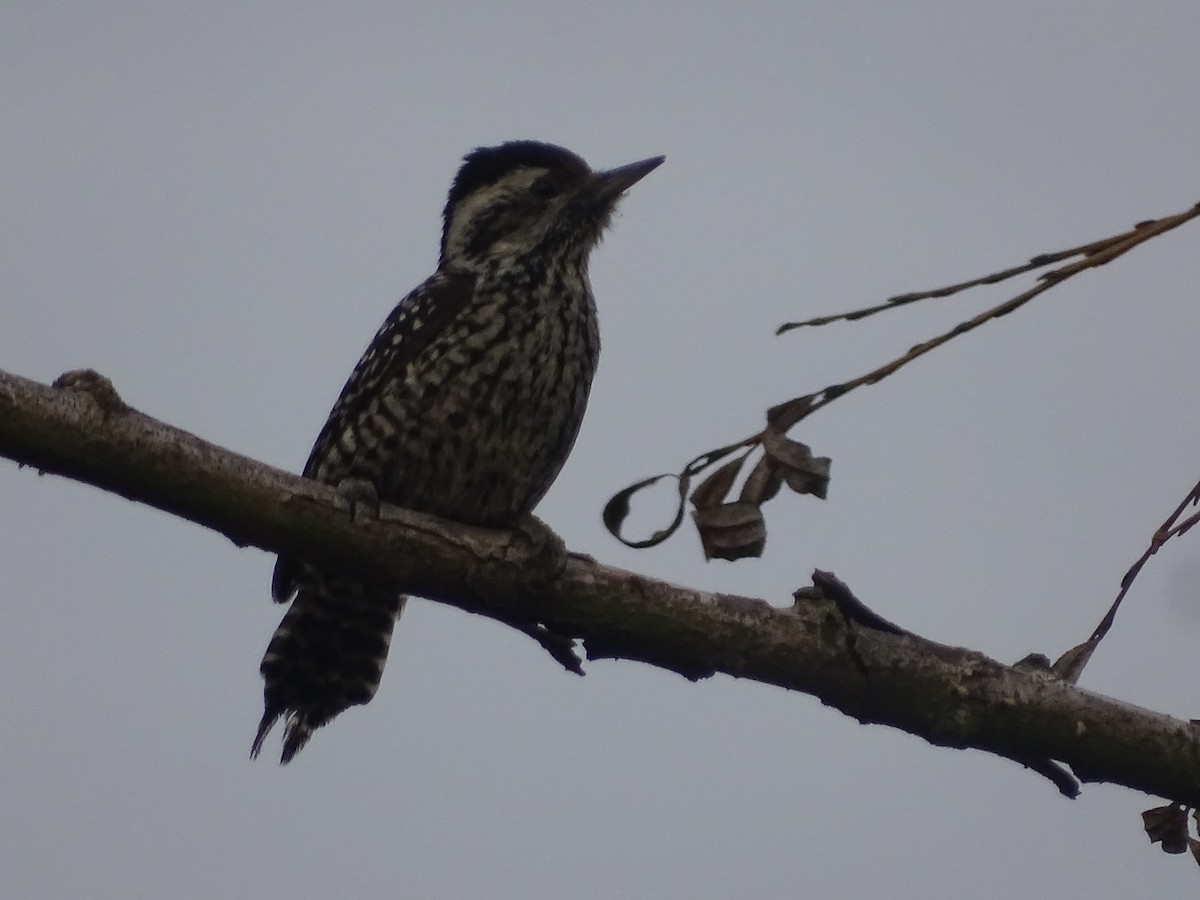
(542, 549)
(543, 556)
(362, 497)
(89, 381)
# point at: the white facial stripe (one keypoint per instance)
(513, 184)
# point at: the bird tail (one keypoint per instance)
(326, 655)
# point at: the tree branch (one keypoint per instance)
(827, 643)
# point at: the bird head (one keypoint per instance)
(526, 197)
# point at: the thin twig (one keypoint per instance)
(1071, 664)
(1040, 261)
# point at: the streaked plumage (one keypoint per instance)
(465, 405)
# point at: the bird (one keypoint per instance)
(465, 405)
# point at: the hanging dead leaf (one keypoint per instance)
(616, 510)
(1167, 825)
(713, 489)
(783, 416)
(731, 530)
(803, 472)
(763, 482)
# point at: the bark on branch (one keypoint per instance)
(824, 644)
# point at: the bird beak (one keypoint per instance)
(607, 186)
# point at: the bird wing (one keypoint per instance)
(409, 329)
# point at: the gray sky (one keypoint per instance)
(216, 204)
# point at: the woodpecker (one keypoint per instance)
(465, 405)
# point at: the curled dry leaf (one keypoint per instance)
(731, 530)
(735, 530)
(803, 472)
(713, 489)
(1167, 825)
(783, 416)
(1070, 665)
(727, 530)
(616, 510)
(763, 482)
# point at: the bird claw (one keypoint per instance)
(542, 548)
(91, 382)
(362, 497)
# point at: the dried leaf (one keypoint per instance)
(803, 472)
(715, 487)
(784, 415)
(616, 511)
(1175, 843)
(763, 482)
(704, 460)
(731, 530)
(1070, 665)
(815, 481)
(1167, 825)
(1194, 846)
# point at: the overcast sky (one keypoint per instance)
(215, 205)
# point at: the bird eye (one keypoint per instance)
(545, 187)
